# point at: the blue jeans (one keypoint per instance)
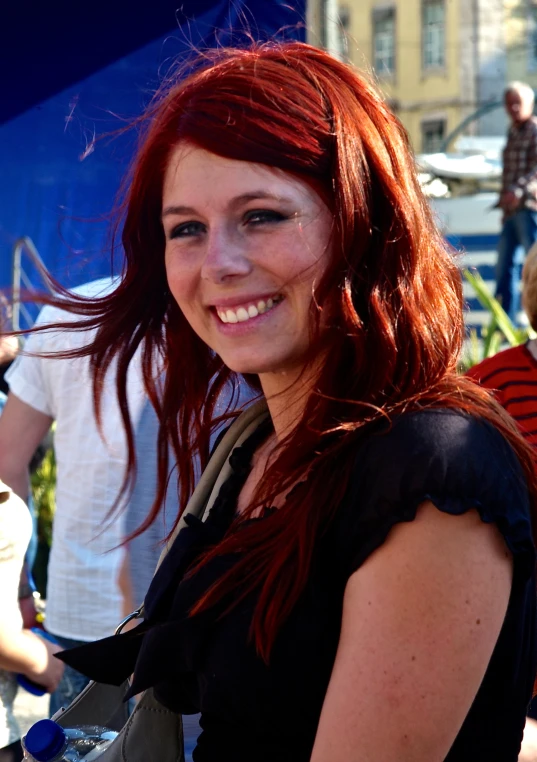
(72, 682)
(519, 233)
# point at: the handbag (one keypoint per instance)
(153, 732)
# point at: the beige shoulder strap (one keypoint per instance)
(218, 468)
(217, 471)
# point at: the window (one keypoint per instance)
(532, 38)
(384, 42)
(433, 34)
(344, 25)
(433, 133)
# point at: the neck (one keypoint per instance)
(286, 395)
(532, 347)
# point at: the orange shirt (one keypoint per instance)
(512, 374)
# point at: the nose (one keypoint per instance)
(225, 258)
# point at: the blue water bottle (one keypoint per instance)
(46, 741)
(29, 685)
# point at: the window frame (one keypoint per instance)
(428, 64)
(433, 121)
(531, 37)
(380, 15)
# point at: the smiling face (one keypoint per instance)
(245, 246)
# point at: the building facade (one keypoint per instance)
(521, 40)
(437, 61)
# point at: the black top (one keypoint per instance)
(253, 712)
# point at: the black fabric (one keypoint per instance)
(250, 711)
(11, 753)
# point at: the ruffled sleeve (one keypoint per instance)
(456, 461)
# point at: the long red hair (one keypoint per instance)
(392, 292)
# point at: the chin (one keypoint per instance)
(256, 366)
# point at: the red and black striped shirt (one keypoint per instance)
(512, 374)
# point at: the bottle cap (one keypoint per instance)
(45, 740)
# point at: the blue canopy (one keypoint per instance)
(76, 71)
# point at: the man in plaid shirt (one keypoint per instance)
(518, 198)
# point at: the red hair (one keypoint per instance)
(392, 290)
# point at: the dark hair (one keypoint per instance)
(393, 290)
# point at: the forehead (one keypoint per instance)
(194, 173)
(514, 96)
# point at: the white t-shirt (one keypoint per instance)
(83, 597)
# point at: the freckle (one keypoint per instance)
(413, 658)
(369, 603)
(478, 621)
(467, 601)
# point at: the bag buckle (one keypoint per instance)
(135, 615)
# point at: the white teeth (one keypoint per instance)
(242, 314)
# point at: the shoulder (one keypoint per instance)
(507, 360)
(420, 436)
(444, 452)
(94, 289)
(97, 288)
(454, 460)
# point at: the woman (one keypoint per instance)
(364, 586)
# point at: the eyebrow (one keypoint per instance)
(237, 201)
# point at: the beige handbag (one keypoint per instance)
(152, 733)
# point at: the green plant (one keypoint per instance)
(43, 482)
(500, 328)
(43, 485)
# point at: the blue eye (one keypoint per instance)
(187, 230)
(263, 216)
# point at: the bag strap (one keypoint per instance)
(217, 471)
(218, 468)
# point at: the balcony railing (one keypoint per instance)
(25, 246)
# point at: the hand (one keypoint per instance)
(509, 201)
(46, 670)
(528, 751)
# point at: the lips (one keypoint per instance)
(249, 310)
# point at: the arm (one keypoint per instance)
(528, 752)
(125, 585)
(21, 650)
(421, 618)
(24, 651)
(22, 428)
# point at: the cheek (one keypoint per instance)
(180, 278)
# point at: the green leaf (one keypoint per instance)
(502, 320)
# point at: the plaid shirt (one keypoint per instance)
(520, 163)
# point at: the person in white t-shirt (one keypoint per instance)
(83, 597)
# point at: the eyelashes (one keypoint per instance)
(254, 218)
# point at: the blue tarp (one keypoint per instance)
(50, 190)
